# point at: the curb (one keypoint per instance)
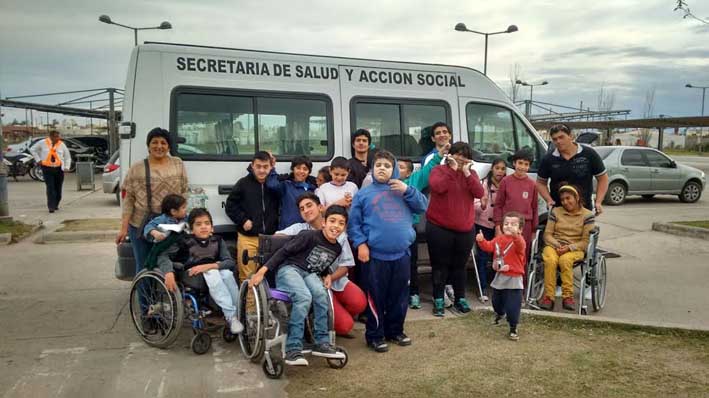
(681, 230)
(75, 236)
(5, 239)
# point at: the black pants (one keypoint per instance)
(414, 275)
(449, 251)
(53, 179)
(508, 302)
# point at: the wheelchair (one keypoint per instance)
(589, 274)
(264, 312)
(159, 314)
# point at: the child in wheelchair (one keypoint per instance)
(566, 236)
(299, 267)
(509, 252)
(205, 260)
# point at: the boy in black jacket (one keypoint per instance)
(254, 209)
(298, 266)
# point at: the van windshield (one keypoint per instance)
(222, 126)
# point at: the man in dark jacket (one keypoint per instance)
(254, 210)
(359, 166)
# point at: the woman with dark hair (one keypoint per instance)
(450, 221)
(166, 175)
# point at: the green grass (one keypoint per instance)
(18, 229)
(94, 224)
(465, 357)
(699, 224)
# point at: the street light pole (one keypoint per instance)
(460, 27)
(106, 19)
(704, 91)
(528, 108)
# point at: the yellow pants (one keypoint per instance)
(565, 263)
(250, 244)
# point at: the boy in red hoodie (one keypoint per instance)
(517, 192)
(509, 251)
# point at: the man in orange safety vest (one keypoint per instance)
(54, 157)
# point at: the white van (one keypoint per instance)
(221, 105)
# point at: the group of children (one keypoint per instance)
(374, 223)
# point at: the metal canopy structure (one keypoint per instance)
(652, 123)
(102, 104)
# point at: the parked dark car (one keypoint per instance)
(99, 143)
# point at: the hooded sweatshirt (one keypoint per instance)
(381, 218)
(452, 198)
(288, 191)
(251, 200)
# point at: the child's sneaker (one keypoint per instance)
(378, 346)
(568, 304)
(326, 350)
(438, 309)
(498, 320)
(513, 335)
(235, 326)
(307, 348)
(546, 303)
(448, 296)
(462, 306)
(402, 340)
(295, 358)
(415, 302)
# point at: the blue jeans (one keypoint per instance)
(141, 247)
(304, 288)
(223, 289)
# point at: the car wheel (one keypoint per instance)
(616, 193)
(649, 196)
(691, 192)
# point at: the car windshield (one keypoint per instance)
(603, 152)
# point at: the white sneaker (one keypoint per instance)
(448, 296)
(483, 299)
(235, 326)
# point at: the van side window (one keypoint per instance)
(495, 131)
(526, 140)
(225, 126)
(399, 126)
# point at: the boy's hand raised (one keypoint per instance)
(363, 253)
(480, 237)
(397, 186)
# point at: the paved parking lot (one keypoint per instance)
(66, 330)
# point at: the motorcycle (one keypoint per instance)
(20, 164)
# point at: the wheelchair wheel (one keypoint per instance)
(535, 281)
(227, 335)
(156, 312)
(274, 371)
(201, 342)
(252, 313)
(598, 287)
(339, 363)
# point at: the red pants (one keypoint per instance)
(347, 304)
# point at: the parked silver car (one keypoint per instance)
(648, 172)
(112, 175)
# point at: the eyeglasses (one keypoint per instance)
(559, 127)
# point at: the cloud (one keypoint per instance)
(626, 46)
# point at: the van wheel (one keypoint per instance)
(616, 193)
(691, 192)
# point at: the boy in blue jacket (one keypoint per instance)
(381, 232)
(289, 189)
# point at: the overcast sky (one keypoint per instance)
(628, 46)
